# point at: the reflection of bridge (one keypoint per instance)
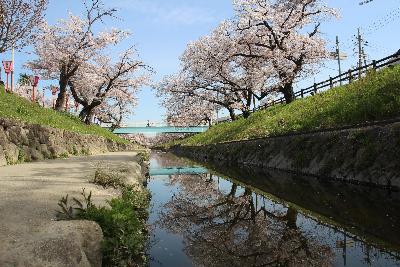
(160, 129)
(177, 171)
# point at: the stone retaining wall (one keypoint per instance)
(367, 155)
(22, 142)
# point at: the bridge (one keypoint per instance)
(159, 129)
(177, 171)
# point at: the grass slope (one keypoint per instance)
(375, 97)
(17, 108)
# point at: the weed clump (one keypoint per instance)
(107, 177)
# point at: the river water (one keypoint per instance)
(220, 216)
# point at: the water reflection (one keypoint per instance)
(218, 222)
(227, 229)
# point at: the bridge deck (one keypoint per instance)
(165, 129)
(178, 171)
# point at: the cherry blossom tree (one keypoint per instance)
(114, 111)
(285, 34)
(150, 141)
(109, 89)
(188, 111)
(211, 72)
(24, 89)
(63, 48)
(264, 50)
(140, 139)
(18, 22)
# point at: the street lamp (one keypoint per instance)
(34, 82)
(8, 68)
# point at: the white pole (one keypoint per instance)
(12, 73)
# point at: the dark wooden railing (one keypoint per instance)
(348, 76)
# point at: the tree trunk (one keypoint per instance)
(86, 114)
(89, 118)
(288, 93)
(113, 127)
(232, 114)
(233, 190)
(249, 99)
(62, 96)
(246, 113)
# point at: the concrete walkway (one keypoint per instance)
(29, 194)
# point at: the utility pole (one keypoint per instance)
(360, 51)
(338, 57)
(364, 56)
(12, 72)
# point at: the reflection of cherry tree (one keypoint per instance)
(223, 229)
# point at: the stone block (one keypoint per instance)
(3, 160)
(11, 152)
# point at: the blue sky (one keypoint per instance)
(162, 28)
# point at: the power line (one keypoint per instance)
(374, 27)
(383, 22)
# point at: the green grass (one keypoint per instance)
(375, 97)
(123, 224)
(124, 227)
(17, 108)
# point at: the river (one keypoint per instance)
(224, 216)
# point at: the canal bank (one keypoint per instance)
(361, 155)
(250, 217)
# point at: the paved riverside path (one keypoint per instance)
(29, 194)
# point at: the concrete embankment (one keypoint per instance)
(29, 233)
(22, 142)
(367, 155)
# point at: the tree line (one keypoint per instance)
(261, 52)
(75, 55)
(245, 61)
